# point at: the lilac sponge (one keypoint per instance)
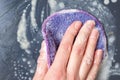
(55, 26)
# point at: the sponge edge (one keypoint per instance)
(54, 27)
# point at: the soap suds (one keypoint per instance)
(111, 39)
(21, 33)
(23, 72)
(42, 14)
(106, 2)
(61, 5)
(32, 14)
(52, 4)
(113, 1)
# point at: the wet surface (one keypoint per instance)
(20, 33)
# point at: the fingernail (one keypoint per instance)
(43, 47)
(91, 23)
(99, 55)
(43, 43)
(77, 24)
(99, 52)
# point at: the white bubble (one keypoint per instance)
(117, 65)
(95, 3)
(53, 5)
(30, 65)
(31, 41)
(34, 39)
(26, 73)
(27, 51)
(32, 14)
(24, 59)
(113, 60)
(113, 1)
(111, 40)
(106, 2)
(21, 66)
(15, 68)
(31, 71)
(28, 62)
(25, 0)
(18, 61)
(25, 78)
(22, 72)
(22, 77)
(61, 5)
(38, 42)
(15, 74)
(14, 64)
(29, 78)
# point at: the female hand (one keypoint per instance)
(76, 58)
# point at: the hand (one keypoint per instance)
(76, 58)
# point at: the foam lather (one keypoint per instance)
(54, 27)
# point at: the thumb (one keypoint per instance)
(42, 66)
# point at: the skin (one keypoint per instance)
(76, 58)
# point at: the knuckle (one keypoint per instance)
(78, 50)
(92, 44)
(94, 35)
(87, 30)
(91, 77)
(80, 77)
(41, 50)
(72, 31)
(65, 46)
(41, 60)
(41, 68)
(97, 63)
(43, 43)
(88, 59)
(70, 75)
(81, 39)
(93, 38)
(60, 73)
(90, 24)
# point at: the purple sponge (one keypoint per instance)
(55, 26)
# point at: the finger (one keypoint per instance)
(96, 65)
(57, 69)
(42, 66)
(64, 49)
(89, 53)
(78, 49)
